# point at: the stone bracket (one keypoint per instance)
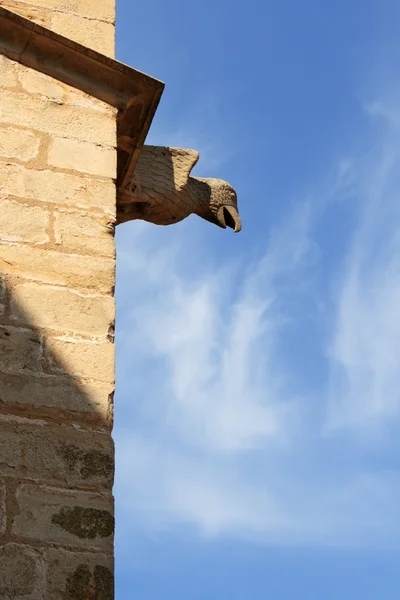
(135, 94)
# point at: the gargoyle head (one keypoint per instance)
(218, 203)
(163, 191)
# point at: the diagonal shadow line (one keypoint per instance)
(55, 437)
(35, 381)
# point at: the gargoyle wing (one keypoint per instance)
(162, 171)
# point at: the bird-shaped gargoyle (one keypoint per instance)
(163, 192)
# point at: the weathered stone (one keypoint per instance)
(82, 519)
(60, 398)
(38, 83)
(21, 572)
(20, 350)
(62, 309)
(29, 223)
(73, 576)
(80, 99)
(81, 358)
(55, 454)
(23, 8)
(163, 191)
(104, 10)
(58, 188)
(93, 465)
(85, 523)
(54, 117)
(85, 233)
(81, 156)
(57, 172)
(72, 270)
(8, 71)
(100, 38)
(3, 516)
(3, 294)
(20, 144)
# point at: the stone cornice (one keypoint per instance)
(135, 94)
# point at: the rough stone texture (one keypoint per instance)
(38, 83)
(30, 223)
(68, 24)
(58, 268)
(73, 576)
(3, 516)
(162, 191)
(62, 189)
(18, 143)
(81, 358)
(57, 264)
(21, 572)
(9, 76)
(20, 350)
(85, 101)
(83, 233)
(60, 398)
(55, 453)
(60, 516)
(51, 116)
(63, 309)
(89, 23)
(82, 156)
(3, 294)
(92, 9)
(76, 28)
(33, 13)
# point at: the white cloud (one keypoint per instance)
(366, 342)
(216, 435)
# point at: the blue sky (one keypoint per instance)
(258, 375)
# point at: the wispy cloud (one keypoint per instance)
(365, 348)
(216, 432)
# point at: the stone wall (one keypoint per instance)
(88, 22)
(57, 259)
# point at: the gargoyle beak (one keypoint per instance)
(228, 216)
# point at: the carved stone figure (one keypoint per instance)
(163, 192)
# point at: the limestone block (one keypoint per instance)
(3, 519)
(33, 13)
(62, 309)
(22, 223)
(85, 233)
(81, 156)
(20, 350)
(99, 37)
(93, 9)
(18, 143)
(60, 398)
(72, 574)
(54, 117)
(81, 358)
(21, 573)
(8, 70)
(80, 99)
(54, 453)
(73, 270)
(58, 188)
(37, 83)
(82, 519)
(3, 294)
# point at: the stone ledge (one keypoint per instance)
(135, 94)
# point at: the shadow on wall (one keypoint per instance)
(56, 461)
(50, 375)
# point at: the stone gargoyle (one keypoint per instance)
(163, 192)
